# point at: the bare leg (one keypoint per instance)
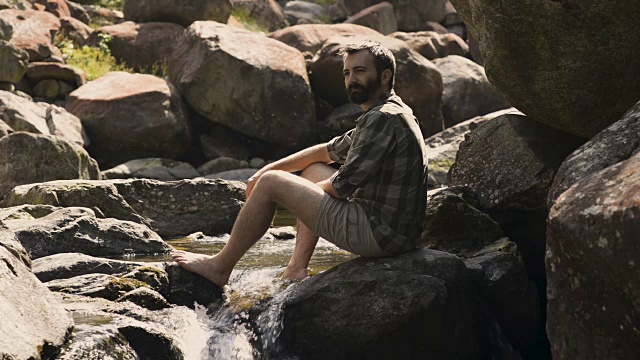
(302, 197)
(305, 239)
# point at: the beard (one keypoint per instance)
(360, 94)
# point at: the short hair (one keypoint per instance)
(383, 57)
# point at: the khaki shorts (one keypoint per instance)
(345, 224)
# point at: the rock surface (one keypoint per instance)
(592, 259)
(183, 13)
(95, 285)
(67, 265)
(153, 168)
(30, 158)
(39, 71)
(170, 208)
(267, 13)
(303, 12)
(132, 116)
(75, 30)
(270, 80)
(380, 17)
(308, 38)
(187, 288)
(14, 62)
(412, 15)
(433, 45)
(339, 121)
(222, 164)
(591, 90)
(33, 32)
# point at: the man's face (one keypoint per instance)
(360, 77)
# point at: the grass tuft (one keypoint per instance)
(250, 23)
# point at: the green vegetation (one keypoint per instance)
(250, 23)
(94, 61)
(98, 22)
(111, 4)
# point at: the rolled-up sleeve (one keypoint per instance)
(371, 142)
(339, 146)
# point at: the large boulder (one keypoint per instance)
(270, 98)
(467, 92)
(30, 158)
(132, 116)
(41, 118)
(9, 242)
(78, 12)
(380, 17)
(145, 46)
(78, 229)
(58, 8)
(616, 143)
(170, 208)
(309, 38)
(339, 121)
(33, 32)
(572, 80)
(592, 266)
(34, 324)
(267, 13)
(418, 81)
(433, 45)
(412, 15)
(153, 168)
(39, 71)
(67, 265)
(95, 285)
(183, 12)
(303, 12)
(75, 30)
(14, 62)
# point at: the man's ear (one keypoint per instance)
(386, 77)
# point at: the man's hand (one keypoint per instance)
(327, 186)
(252, 182)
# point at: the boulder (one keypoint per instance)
(68, 265)
(592, 266)
(39, 71)
(219, 141)
(78, 12)
(222, 164)
(153, 168)
(6, 30)
(241, 175)
(151, 344)
(145, 297)
(380, 17)
(10, 243)
(474, 50)
(34, 324)
(30, 158)
(443, 146)
(616, 143)
(580, 97)
(187, 288)
(171, 209)
(304, 12)
(417, 305)
(418, 82)
(41, 118)
(433, 45)
(14, 62)
(412, 15)
(183, 13)
(339, 121)
(160, 127)
(145, 46)
(264, 73)
(95, 285)
(5, 129)
(33, 32)
(58, 8)
(467, 92)
(309, 38)
(78, 229)
(267, 13)
(104, 16)
(26, 212)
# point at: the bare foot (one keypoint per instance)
(295, 274)
(203, 265)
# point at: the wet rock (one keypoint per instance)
(303, 12)
(412, 15)
(30, 158)
(616, 143)
(153, 275)
(380, 17)
(208, 60)
(151, 344)
(467, 92)
(418, 82)
(160, 127)
(145, 297)
(417, 305)
(187, 288)
(443, 146)
(153, 168)
(77, 229)
(309, 38)
(433, 45)
(267, 13)
(68, 265)
(170, 208)
(183, 13)
(14, 62)
(339, 121)
(556, 95)
(95, 285)
(222, 164)
(33, 32)
(145, 46)
(34, 324)
(283, 233)
(241, 175)
(592, 260)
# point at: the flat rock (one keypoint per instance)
(152, 168)
(68, 265)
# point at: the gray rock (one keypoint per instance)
(6, 30)
(68, 265)
(30, 158)
(183, 13)
(303, 12)
(77, 229)
(592, 266)
(241, 175)
(153, 168)
(145, 297)
(34, 324)
(593, 91)
(380, 17)
(257, 163)
(5, 129)
(151, 344)
(26, 212)
(187, 288)
(10, 243)
(434, 45)
(283, 233)
(339, 121)
(153, 275)
(221, 164)
(412, 15)
(616, 143)
(95, 285)
(170, 208)
(14, 62)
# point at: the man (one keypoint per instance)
(373, 206)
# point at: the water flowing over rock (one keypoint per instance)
(380, 17)
(153, 168)
(433, 45)
(246, 81)
(467, 92)
(412, 15)
(592, 261)
(616, 143)
(183, 12)
(418, 81)
(309, 38)
(14, 62)
(30, 158)
(33, 32)
(132, 116)
(34, 325)
(67, 265)
(573, 80)
(169, 208)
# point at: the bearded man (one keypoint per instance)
(372, 206)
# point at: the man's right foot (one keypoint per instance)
(295, 274)
(203, 265)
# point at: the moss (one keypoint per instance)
(441, 165)
(151, 270)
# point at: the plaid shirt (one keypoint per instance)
(385, 171)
